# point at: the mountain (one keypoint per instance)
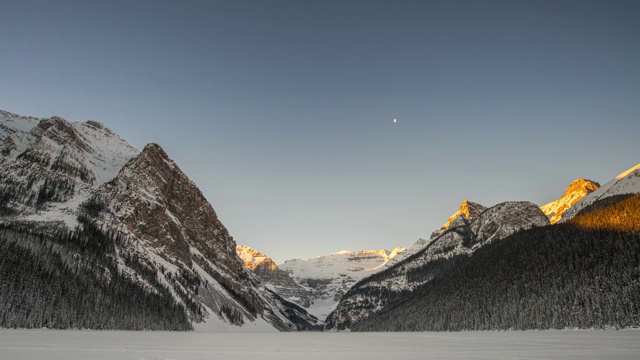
(582, 273)
(96, 234)
(579, 273)
(627, 182)
(328, 277)
(577, 190)
(274, 278)
(390, 287)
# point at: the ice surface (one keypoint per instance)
(99, 345)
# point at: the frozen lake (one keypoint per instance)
(96, 345)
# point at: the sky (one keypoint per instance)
(282, 111)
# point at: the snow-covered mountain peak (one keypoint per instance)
(328, 277)
(581, 184)
(577, 190)
(253, 259)
(625, 173)
(53, 165)
(274, 278)
(411, 271)
(146, 220)
(627, 182)
(396, 251)
(468, 210)
(14, 122)
(88, 151)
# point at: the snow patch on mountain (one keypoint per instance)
(109, 151)
(10, 122)
(627, 182)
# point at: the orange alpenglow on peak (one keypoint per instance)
(577, 190)
(253, 258)
(582, 185)
(468, 210)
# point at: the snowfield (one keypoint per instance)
(98, 345)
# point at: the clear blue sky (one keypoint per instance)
(281, 111)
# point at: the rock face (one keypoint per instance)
(149, 227)
(51, 165)
(468, 210)
(328, 277)
(627, 182)
(274, 278)
(461, 239)
(577, 190)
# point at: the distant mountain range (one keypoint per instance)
(323, 279)
(97, 234)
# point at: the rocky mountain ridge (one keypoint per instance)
(147, 223)
(328, 277)
(118, 238)
(52, 165)
(273, 277)
(627, 182)
(577, 190)
(374, 293)
(468, 209)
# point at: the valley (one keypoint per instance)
(99, 235)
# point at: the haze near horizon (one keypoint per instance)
(282, 112)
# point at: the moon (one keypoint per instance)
(395, 120)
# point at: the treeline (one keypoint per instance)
(69, 280)
(553, 277)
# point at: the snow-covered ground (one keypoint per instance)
(97, 345)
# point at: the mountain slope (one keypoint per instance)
(440, 256)
(466, 213)
(468, 210)
(76, 194)
(52, 165)
(627, 182)
(577, 190)
(582, 273)
(273, 277)
(552, 277)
